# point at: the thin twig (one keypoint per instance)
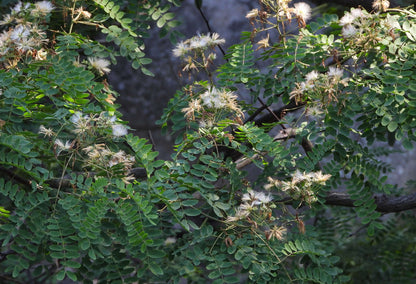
(271, 112)
(151, 139)
(209, 29)
(257, 112)
(275, 255)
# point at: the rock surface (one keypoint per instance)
(143, 98)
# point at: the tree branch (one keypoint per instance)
(277, 113)
(385, 203)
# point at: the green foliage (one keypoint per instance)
(239, 66)
(245, 196)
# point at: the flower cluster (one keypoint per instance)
(87, 125)
(26, 32)
(301, 186)
(47, 132)
(218, 99)
(88, 146)
(81, 13)
(353, 22)
(381, 5)
(252, 201)
(277, 232)
(42, 8)
(61, 146)
(197, 43)
(211, 104)
(301, 11)
(102, 158)
(323, 87)
(58, 145)
(197, 52)
(100, 65)
(88, 130)
(256, 211)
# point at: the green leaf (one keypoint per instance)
(92, 255)
(155, 269)
(61, 275)
(84, 244)
(161, 22)
(145, 61)
(147, 72)
(71, 275)
(71, 264)
(412, 87)
(192, 212)
(153, 253)
(221, 205)
(392, 126)
(214, 274)
(231, 279)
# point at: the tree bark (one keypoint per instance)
(385, 203)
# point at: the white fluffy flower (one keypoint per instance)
(198, 42)
(19, 7)
(302, 10)
(263, 198)
(19, 33)
(357, 13)
(239, 215)
(212, 99)
(76, 117)
(256, 197)
(314, 111)
(119, 130)
(306, 86)
(335, 72)
(347, 19)
(181, 49)
(321, 178)
(206, 123)
(298, 176)
(4, 39)
(312, 76)
(170, 241)
(61, 146)
(348, 31)
(46, 131)
(252, 14)
(25, 44)
(43, 8)
(7, 19)
(215, 39)
(99, 64)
